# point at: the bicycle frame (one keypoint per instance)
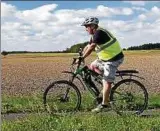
(83, 76)
(82, 71)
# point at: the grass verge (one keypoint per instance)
(79, 121)
(83, 122)
(34, 103)
(16, 104)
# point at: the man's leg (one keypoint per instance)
(106, 92)
(105, 99)
(107, 80)
(109, 76)
(94, 66)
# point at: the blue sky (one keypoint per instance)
(75, 4)
(44, 25)
(63, 4)
(25, 5)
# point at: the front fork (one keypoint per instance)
(71, 80)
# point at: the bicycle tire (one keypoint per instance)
(61, 99)
(127, 98)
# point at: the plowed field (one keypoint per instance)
(27, 74)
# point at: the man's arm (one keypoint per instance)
(88, 49)
(85, 48)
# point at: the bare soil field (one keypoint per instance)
(29, 74)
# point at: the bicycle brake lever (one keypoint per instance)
(80, 51)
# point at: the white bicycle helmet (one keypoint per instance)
(90, 20)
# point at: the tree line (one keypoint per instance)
(149, 46)
(75, 48)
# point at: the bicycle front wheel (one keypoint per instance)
(61, 96)
(129, 96)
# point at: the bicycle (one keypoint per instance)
(128, 95)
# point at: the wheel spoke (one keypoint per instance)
(129, 96)
(62, 96)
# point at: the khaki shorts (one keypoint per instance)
(108, 68)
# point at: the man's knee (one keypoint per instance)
(92, 66)
(106, 83)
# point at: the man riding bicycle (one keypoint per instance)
(109, 53)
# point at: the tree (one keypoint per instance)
(4, 53)
(124, 49)
(150, 46)
(75, 48)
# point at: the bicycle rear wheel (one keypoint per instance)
(61, 96)
(129, 96)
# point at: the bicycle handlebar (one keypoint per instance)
(80, 59)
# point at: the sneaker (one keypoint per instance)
(100, 108)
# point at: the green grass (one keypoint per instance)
(142, 52)
(83, 122)
(34, 103)
(154, 101)
(15, 104)
(134, 52)
(44, 54)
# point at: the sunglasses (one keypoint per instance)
(87, 26)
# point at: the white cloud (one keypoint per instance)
(43, 13)
(138, 3)
(142, 17)
(139, 9)
(150, 15)
(75, 16)
(155, 10)
(7, 10)
(46, 28)
(106, 11)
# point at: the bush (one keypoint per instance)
(4, 53)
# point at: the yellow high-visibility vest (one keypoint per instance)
(109, 49)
